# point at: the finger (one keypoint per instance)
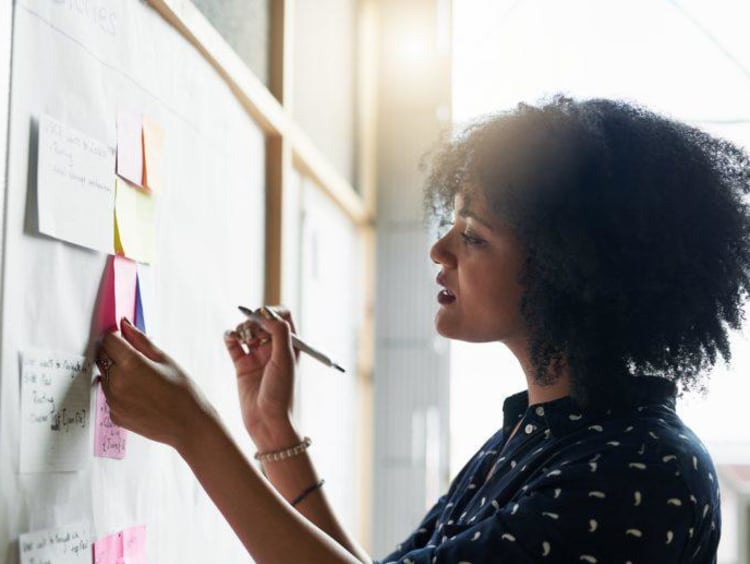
(117, 348)
(280, 334)
(234, 348)
(247, 331)
(140, 342)
(284, 312)
(104, 381)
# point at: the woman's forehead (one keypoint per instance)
(469, 199)
(473, 205)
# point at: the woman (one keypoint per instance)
(609, 249)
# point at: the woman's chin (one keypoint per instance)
(444, 327)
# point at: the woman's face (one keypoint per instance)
(480, 262)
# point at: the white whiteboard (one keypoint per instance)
(80, 62)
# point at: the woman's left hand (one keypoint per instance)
(146, 391)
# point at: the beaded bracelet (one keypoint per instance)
(277, 455)
(307, 492)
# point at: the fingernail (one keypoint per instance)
(227, 334)
(126, 321)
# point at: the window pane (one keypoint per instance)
(244, 24)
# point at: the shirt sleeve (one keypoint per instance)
(582, 512)
(426, 528)
(421, 535)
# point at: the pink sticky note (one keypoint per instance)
(130, 147)
(117, 298)
(134, 545)
(124, 547)
(126, 275)
(110, 441)
(108, 549)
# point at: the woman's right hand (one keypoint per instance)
(265, 378)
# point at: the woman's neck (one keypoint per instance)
(540, 393)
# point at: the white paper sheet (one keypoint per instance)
(54, 412)
(75, 186)
(70, 544)
(130, 147)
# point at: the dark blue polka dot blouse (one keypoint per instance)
(632, 485)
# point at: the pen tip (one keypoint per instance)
(244, 310)
(337, 367)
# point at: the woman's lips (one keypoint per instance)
(444, 297)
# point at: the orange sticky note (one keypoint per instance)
(153, 140)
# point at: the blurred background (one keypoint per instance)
(371, 85)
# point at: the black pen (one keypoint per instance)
(297, 343)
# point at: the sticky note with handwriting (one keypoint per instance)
(135, 215)
(70, 544)
(110, 440)
(75, 186)
(124, 547)
(54, 411)
(130, 147)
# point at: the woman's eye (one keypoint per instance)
(469, 239)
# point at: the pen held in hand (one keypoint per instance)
(297, 343)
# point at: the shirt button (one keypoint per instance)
(540, 411)
(529, 429)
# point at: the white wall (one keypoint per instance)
(66, 64)
(6, 35)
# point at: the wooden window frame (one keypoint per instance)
(288, 148)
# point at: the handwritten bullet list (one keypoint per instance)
(55, 415)
(110, 441)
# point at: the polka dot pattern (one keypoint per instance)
(631, 484)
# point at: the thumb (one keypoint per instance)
(139, 341)
(280, 331)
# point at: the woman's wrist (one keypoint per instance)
(277, 436)
(204, 427)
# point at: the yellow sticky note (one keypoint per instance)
(153, 140)
(135, 222)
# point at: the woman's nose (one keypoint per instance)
(440, 252)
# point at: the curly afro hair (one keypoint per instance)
(636, 235)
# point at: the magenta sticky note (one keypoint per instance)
(117, 298)
(124, 547)
(130, 147)
(110, 441)
(126, 273)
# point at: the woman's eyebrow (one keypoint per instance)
(468, 213)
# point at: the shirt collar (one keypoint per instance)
(564, 414)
